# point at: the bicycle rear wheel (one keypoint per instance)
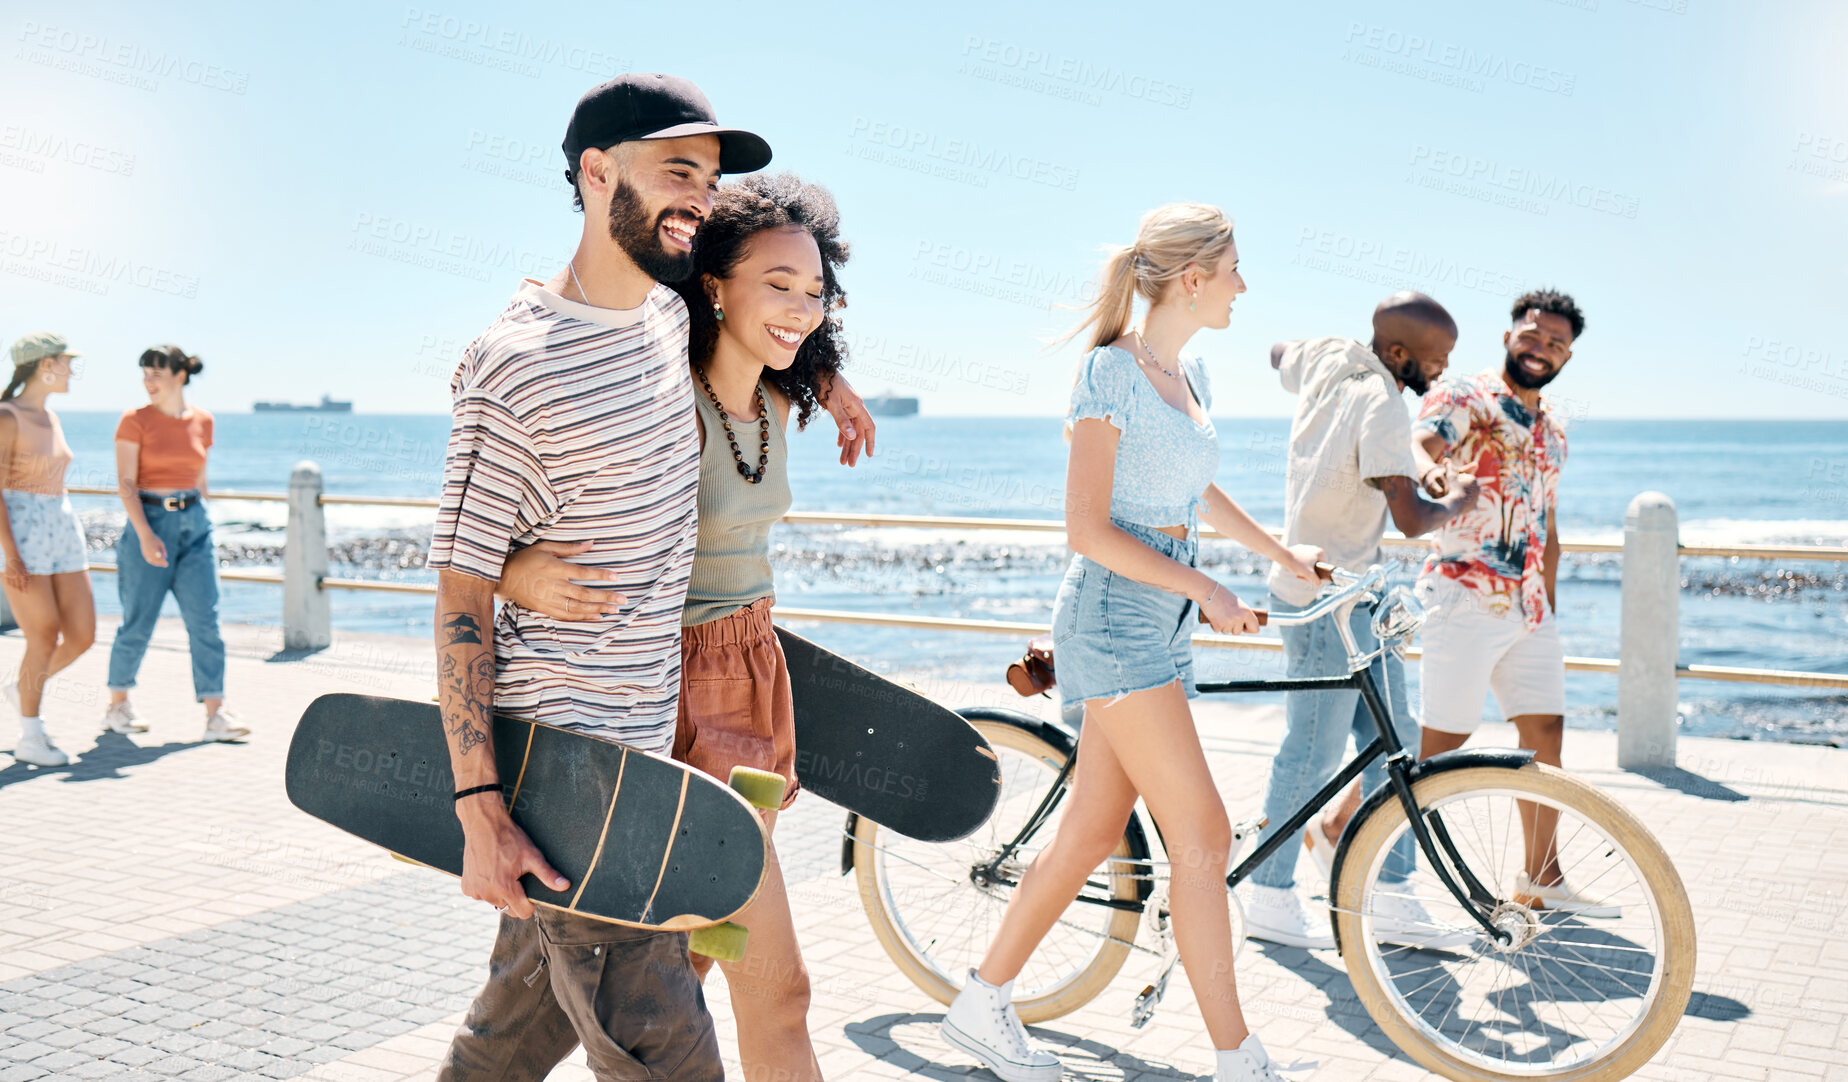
(935, 919)
(1572, 996)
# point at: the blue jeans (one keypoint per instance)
(1315, 739)
(191, 575)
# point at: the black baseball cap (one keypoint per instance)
(649, 106)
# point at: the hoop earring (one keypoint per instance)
(717, 312)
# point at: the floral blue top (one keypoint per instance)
(1164, 461)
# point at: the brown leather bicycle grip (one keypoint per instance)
(1325, 571)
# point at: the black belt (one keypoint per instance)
(170, 503)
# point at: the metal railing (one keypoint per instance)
(1651, 554)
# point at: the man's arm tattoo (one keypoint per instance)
(469, 681)
(461, 627)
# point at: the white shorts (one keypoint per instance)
(1470, 649)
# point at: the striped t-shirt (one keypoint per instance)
(574, 423)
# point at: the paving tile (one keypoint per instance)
(310, 953)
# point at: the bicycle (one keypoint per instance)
(1532, 993)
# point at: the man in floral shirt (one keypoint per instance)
(1487, 586)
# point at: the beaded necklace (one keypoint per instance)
(763, 422)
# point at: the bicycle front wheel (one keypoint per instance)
(935, 913)
(1585, 994)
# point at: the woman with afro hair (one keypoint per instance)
(764, 345)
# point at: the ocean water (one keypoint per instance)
(1733, 482)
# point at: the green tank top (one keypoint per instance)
(731, 561)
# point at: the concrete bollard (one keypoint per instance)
(307, 621)
(1651, 634)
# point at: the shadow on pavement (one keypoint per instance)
(113, 753)
(1686, 781)
(1344, 1006)
(913, 1049)
(1717, 1008)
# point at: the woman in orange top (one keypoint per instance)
(167, 545)
(47, 577)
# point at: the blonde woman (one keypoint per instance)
(1138, 482)
(47, 578)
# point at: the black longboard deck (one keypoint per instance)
(644, 841)
(885, 751)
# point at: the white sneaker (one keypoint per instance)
(121, 718)
(1321, 851)
(983, 1023)
(1249, 1062)
(222, 725)
(1401, 919)
(39, 751)
(1277, 914)
(1560, 898)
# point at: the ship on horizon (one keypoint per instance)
(328, 404)
(892, 405)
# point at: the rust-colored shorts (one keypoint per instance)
(735, 705)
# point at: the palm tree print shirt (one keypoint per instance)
(1496, 547)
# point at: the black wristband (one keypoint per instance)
(491, 788)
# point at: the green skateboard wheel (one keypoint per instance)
(723, 942)
(763, 788)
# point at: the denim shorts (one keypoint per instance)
(47, 533)
(1113, 635)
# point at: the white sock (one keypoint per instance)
(31, 727)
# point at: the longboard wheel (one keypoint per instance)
(763, 788)
(722, 942)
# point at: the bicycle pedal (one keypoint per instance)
(1149, 999)
(1245, 828)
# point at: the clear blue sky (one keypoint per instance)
(337, 197)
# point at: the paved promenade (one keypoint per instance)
(166, 913)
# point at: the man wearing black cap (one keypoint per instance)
(574, 422)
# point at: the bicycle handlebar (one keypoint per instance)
(1352, 587)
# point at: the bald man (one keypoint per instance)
(1350, 466)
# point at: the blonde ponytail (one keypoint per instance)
(1169, 240)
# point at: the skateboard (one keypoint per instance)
(645, 841)
(885, 751)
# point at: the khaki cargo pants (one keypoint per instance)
(628, 995)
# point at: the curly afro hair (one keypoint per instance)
(1552, 302)
(740, 211)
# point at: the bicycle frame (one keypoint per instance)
(1427, 828)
